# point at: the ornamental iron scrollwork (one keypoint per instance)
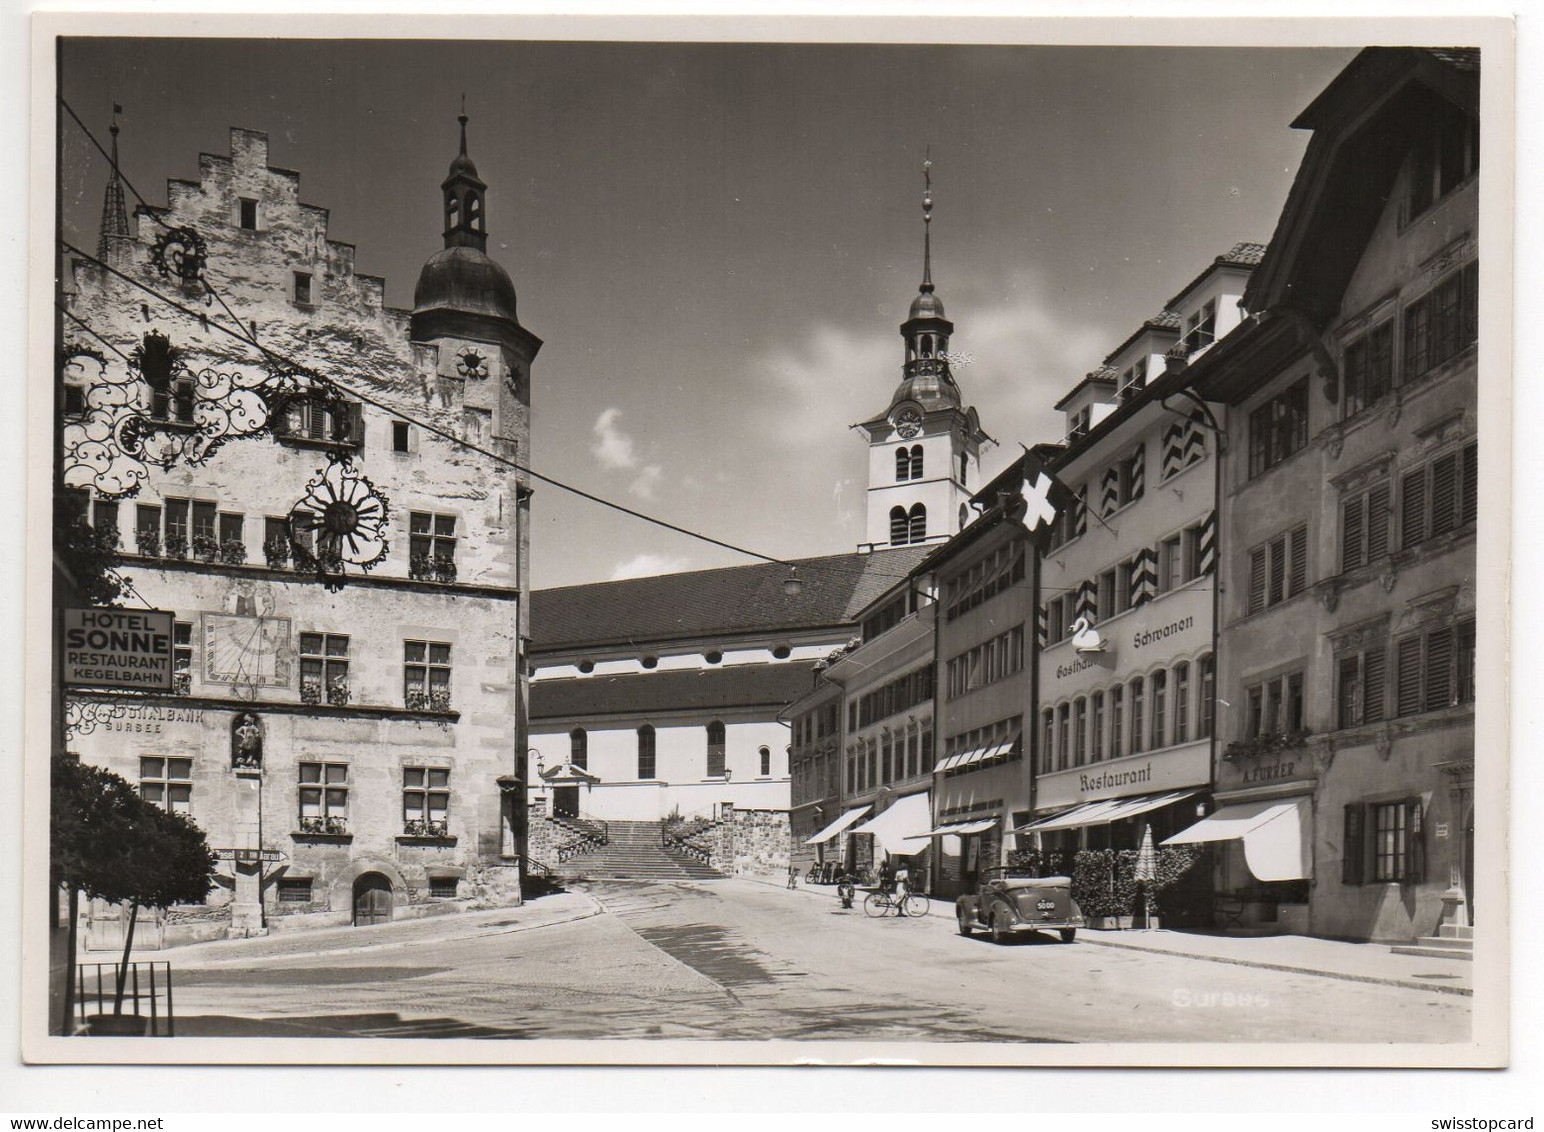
(471, 364)
(339, 522)
(180, 253)
(82, 717)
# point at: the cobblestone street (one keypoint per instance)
(735, 960)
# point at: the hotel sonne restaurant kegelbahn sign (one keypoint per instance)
(118, 648)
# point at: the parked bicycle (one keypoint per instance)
(879, 903)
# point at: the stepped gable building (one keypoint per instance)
(1127, 671)
(341, 745)
(1348, 499)
(659, 696)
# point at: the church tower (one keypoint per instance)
(925, 448)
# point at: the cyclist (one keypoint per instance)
(887, 877)
(902, 881)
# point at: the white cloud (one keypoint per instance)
(646, 483)
(647, 565)
(613, 448)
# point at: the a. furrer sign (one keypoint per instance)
(118, 648)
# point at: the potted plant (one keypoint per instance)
(176, 545)
(444, 570)
(233, 552)
(277, 552)
(337, 691)
(148, 542)
(206, 548)
(421, 567)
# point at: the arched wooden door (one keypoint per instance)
(372, 899)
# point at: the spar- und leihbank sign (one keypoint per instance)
(118, 648)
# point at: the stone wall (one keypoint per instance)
(749, 842)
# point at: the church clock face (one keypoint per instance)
(247, 651)
(908, 422)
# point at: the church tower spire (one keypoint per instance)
(464, 194)
(115, 216)
(924, 449)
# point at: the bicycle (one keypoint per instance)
(876, 904)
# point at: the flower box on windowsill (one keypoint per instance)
(1269, 744)
(431, 568)
(339, 837)
(438, 702)
(425, 833)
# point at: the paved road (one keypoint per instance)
(733, 960)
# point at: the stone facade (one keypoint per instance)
(390, 704)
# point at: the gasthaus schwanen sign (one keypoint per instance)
(118, 648)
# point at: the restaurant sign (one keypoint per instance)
(128, 649)
(1171, 769)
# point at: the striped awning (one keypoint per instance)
(961, 829)
(978, 755)
(1099, 813)
(838, 826)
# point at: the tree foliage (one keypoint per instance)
(87, 554)
(111, 844)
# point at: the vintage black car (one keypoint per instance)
(1008, 905)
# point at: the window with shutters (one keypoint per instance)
(1440, 325)
(916, 523)
(1278, 569)
(1439, 497)
(1368, 369)
(1063, 736)
(1208, 713)
(1383, 843)
(1159, 731)
(1359, 686)
(1138, 706)
(1278, 428)
(1171, 563)
(1182, 703)
(1096, 727)
(1364, 526)
(1080, 731)
(321, 420)
(1435, 669)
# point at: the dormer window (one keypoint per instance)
(1133, 380)
(1201, 328)
(1080, 422)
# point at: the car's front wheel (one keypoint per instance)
(1069, 934)
(962, 918)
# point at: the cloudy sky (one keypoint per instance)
(718, 242)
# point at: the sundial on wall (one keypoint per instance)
(247, 652)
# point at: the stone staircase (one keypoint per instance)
(634, 852)
(1450, 942)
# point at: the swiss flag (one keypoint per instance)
(1044, 499)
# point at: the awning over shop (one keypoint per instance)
(907, 820)
(1275, 836)
(978, 755)
(960, 829)
(837, 826)
(1099, 813)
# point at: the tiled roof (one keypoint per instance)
(1164, 320)
(709, 689)
(732, 601)
(1246, 254)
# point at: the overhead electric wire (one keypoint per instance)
(242, 334)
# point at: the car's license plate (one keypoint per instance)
(1046, 905)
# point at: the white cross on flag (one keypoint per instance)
(1045, 498)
